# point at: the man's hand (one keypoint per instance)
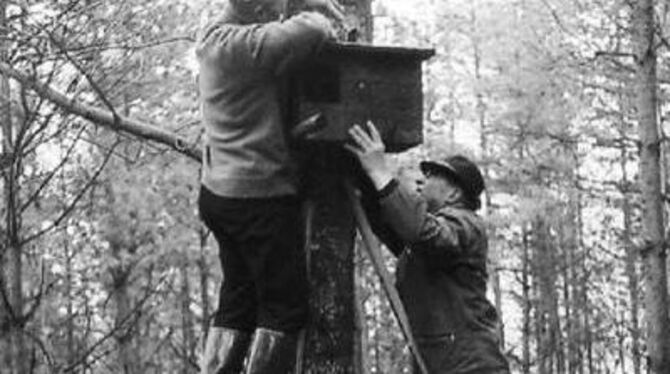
(329, 7)
(369, 150)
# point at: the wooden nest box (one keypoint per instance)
(352, 83)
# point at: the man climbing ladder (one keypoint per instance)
(248, 195)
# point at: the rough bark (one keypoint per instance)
(331, 332)
(654, 248)
(331, 335)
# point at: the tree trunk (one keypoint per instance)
(573, 280)
(11, 247)
(361, 347)
(653, 251)
(631, 267)
(527, 303)
(565, 263)
(128, 358)
(69, 292)
(548, 323)
(495, 247)
(6, 147)
(203, 270)
(331, 335)
(186, 315)
(584, 297)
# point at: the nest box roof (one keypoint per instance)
(345, 49)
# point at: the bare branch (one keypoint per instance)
(91, 81)
(105, 118)
(129, 47)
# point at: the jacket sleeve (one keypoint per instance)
(407, 214)
(381, 228)
(283, 45)
(273, 46)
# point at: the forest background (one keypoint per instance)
(106, 267)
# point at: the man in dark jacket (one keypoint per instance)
(442, 247)
(248, 193)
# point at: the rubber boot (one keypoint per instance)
(272, 352)
(225, 351)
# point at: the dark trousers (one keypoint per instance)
(261, 253)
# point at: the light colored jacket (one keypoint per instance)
(243, 71)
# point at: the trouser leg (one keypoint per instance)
(264, 270)
(235, 318)
(280, 270)
(226, 219)
(282, 291)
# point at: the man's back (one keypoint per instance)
(242, 72)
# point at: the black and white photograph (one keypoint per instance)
(334, 186)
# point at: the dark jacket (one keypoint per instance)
(441, 278)
(242, 77)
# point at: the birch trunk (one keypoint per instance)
(653, 252)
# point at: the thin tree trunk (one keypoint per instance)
(361, 342)
(565, 263)
(631, 267)
(203, 270)
(494, 251)
(527, 306)
(6, 148)
(70, 325)
(128, 360)
(584, 297)
(653, 251)
(621, 335)
(544, 273)
(575, 337)
(186, 315)
(12, 251)
(127, 356)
